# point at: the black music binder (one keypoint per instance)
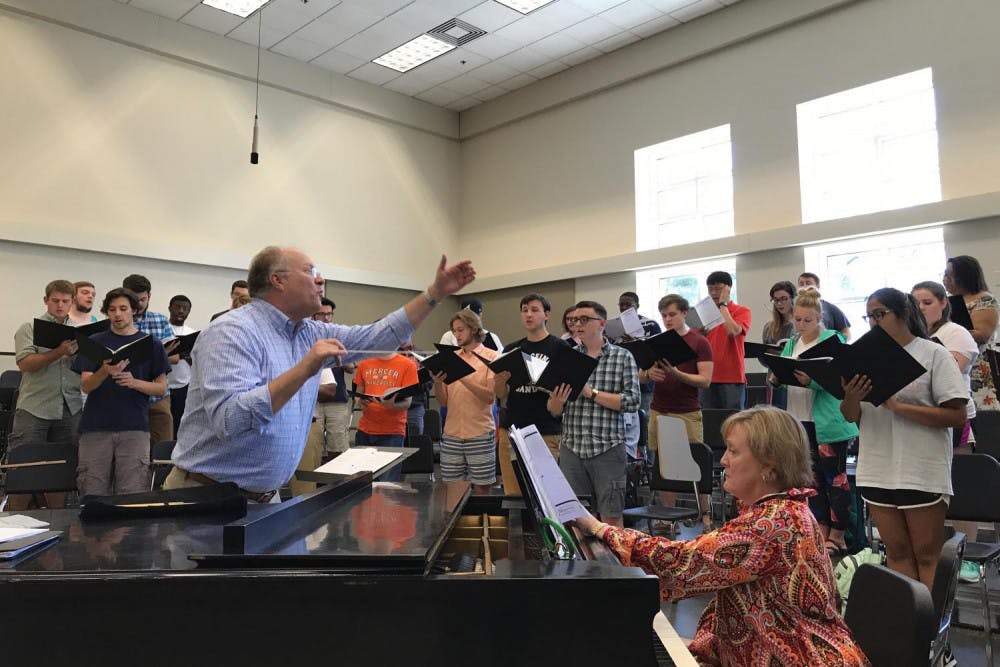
(568, 366)
(52, 334)
(668, 345)
(137, 351)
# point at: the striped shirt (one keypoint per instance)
(590, 429)
(229, 431)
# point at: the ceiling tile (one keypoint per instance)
(294, 46)
(373, 73)
(464, 103)
(490, 16)
(340, 23)
(492, 46)
(583, 55)
(557, 45)
(544, 22)
(380, 38)
(212, 19)
(548, 69)
(524, 59)
(466, 84)
(597, 6)
(696, 9)
(491, 93)
(439, 95)
(656, 26)
(450, 65)
(618, 41)
(423, 16)
(592, 30)
(494, 72)
(519, 81)
(381, 7)
(412, 83)
(338, 61)
(247, 32)
(666, 6)
(630, 14)
(171, 9)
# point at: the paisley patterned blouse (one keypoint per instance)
(776, 602)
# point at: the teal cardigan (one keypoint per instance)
(830, 423)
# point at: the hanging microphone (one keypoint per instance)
(253, 145)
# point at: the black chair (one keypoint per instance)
(943, 590)
(10, 379)
(712, 420)
(891, 617)
(51, 469)
(160, 463)
(432, 429)
(422, 462)
(674, 472)
(987, 427)
(975, 479)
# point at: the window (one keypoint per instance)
(684, 190)
(851, 270)
(687, 279)
(872, 148)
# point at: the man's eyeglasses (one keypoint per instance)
(780, 299)
(322, 315)
(311, 270)
(876, 316)
(583, 319)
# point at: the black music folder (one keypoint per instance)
(52, 334)
(784, 369)
(185, 343)
(568, 366)
(751, 350)
(882, 359)
(448, 362)
(138, 351)
(959, 312)
(395, 393)
(831, 347)
(668, 345)
(518, 364)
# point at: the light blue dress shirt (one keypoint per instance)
(229, 431)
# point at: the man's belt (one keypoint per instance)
(257, 497)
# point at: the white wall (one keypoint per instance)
(113, 148)
(560, 180)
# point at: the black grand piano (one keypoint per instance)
(355, 573)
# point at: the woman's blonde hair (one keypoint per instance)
(778, 441)
(808, 297)
(472, 321)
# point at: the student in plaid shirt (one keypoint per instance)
(592, 453)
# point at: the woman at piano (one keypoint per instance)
(776, 601)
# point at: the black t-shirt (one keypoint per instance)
(526, 405)
(112, 407)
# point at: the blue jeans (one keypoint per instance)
(723, 396)
(362, 439)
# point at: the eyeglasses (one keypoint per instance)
(311, 270)
(780, 299)
(322, 315)
(876, 316)
(583, 319)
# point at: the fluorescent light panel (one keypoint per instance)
(414, 52)
(524, 6)
(242, 8)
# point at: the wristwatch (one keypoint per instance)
(724, 303)
(593, 395)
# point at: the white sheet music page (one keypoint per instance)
(632, 323)
(554, 493)
(704, 315)
(358, 459)
(535, 366)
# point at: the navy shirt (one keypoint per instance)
(112, 407)
(527, 405)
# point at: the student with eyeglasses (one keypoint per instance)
(904, 459)
(779, 328)
(592, 451)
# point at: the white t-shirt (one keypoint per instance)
(957, 338)
(800, 399)
(898, 453)
(180, 373)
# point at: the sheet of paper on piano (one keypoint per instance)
(10, 534)
(554, 493)
(358, 459)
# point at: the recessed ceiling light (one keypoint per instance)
(414, 52)
(242, 8)
(524, 6)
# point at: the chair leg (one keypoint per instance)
(987, 615)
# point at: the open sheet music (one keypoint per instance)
(359, 459)
(704, 315)
(626, 324)
(554, 493)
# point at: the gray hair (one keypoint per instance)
(263, 264)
